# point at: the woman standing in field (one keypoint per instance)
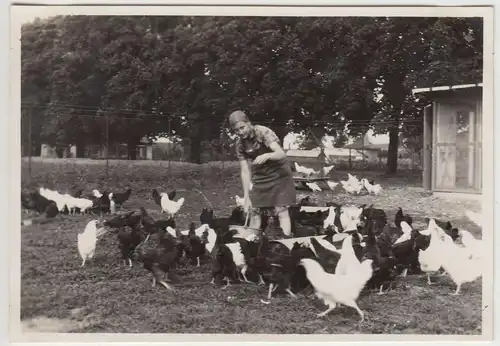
(263, 161)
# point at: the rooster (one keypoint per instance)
(157, 196)
(169, 206)
(335, 288)
(120, 197)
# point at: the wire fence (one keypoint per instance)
(51, 131)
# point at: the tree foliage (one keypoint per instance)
(153, 75)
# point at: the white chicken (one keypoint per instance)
(460, 265)
(352, 179)
(96, 193)
(330, 220)
(314, 187)
(327, 169)
(168, 206)
(332, 185)
(371, 188)
(87, 241)
(335, 288)
(304, 170)
(431, 258)
(348, 261)
(351, 188)
(474, 217)
(406, 233)
(239, 201)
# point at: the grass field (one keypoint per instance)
(120, 299)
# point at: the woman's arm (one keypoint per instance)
(246, 177)
(276, 154)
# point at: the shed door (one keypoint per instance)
(457, 148)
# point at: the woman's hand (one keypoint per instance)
(261, 159)
(247, 204)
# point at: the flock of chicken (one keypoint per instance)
(338, 250)
(352, 185)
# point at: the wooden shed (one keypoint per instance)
(452, 158)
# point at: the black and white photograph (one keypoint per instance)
(266, 171)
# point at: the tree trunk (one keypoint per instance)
(132, 150)
(80, 149)
(281, 131)
(195, 150)
(392, 152)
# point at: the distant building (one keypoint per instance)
(370, 151)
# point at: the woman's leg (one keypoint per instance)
(284, 220)
(255, 218)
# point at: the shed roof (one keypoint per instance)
(446, 88)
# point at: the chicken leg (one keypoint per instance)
(360, 312)
(330, 308)
(380, 292)
(429, 279)
(457, 291)
(243, 272)
(261, 280)
(270, 291)
(289, 291)
(83, 262)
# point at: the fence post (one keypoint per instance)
(172, 148)
(30, 143)
(107, 146)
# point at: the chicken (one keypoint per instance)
(372, 189)
(159, 259)
(148, 223)
(459, 263)
(329, 222)
(285, 272)
(351, 188)
(169, 206)
(128, 219)
(348, 260)
(128, 241)
(121, 197)
(384, 265)
(87, 241)
(431, 258)
(332, 185)
(157, 197)
(407, 231)
(401, 217)
(195, 247)
(314, 187)
(304, 170)
(335, 288)
(327, 169)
